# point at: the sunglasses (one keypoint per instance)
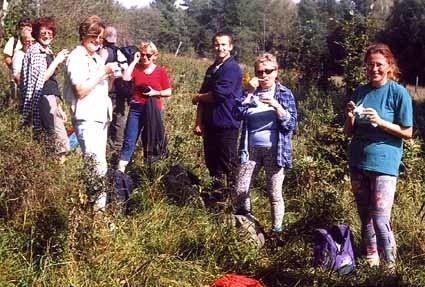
(261, 72)
(146, 55)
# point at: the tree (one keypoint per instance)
(405, 33)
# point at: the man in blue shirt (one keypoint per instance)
(214, 122)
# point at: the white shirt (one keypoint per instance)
(17, 59)
(8, 48)
(79, 68)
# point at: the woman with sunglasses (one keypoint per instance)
(41, 98)
(378, 118)
(149, 80)
(269, 116)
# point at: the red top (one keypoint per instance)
(158, 80)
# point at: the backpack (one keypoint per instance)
(235, 280)
(128, 52)
(122, 88)
(182, 186)
(249, 228)
(333, 250)
(122, 187)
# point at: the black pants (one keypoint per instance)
(119, 119)
(220, 151)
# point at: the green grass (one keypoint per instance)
(50, 236)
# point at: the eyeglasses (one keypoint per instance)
(46, 33)
(378, 65)
(146, 55)
(261, 72)
(98, 37)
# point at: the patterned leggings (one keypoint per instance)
(374, 195)
(260, 156)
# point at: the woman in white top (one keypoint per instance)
(86, 91)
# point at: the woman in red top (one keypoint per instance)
(149, 80)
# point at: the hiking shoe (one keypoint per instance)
(275, 238)
(372, 260)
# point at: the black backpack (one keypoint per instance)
(128, 52)
(182, 186)
(121, 88)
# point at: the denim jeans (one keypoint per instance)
(132, 130)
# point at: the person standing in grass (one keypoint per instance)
(151, 84)
(18, 57)
(269, 116)
(214, 121)
(41, 99)
(86, 92)
(378, 118)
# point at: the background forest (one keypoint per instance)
(49, 234)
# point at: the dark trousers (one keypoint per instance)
(220, 151)
(118, 123)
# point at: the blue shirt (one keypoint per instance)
(371, 148)
(285, 125)
(262, 125)
(225, 82)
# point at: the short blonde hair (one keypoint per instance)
(266, 58)
(146, 44)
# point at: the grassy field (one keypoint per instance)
(50, 235)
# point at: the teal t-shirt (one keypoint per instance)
(371, 148)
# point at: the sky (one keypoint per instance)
(132, 3)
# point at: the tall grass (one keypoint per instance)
(50, 236)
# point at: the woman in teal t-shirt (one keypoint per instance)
(378, 118)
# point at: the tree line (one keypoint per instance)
(316, 38)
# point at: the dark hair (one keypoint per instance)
(24, 21)
(45, 22)
(383, 49)
(92, 25)
(222, 34)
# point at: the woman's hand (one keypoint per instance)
(136, 57)
(152, 92)
(253, 84)
(349, 109)
(372, 116)
(272, 102)
(61, 56)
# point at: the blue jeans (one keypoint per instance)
(132, 130)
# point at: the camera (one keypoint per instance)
(358, 111)
(144, 89)
(118, 71)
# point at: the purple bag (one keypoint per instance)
(333, 249)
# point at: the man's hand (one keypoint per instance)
(195, 99)
(197, 130)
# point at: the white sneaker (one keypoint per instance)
(100, 203)
(122, 164)
(373, 260)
